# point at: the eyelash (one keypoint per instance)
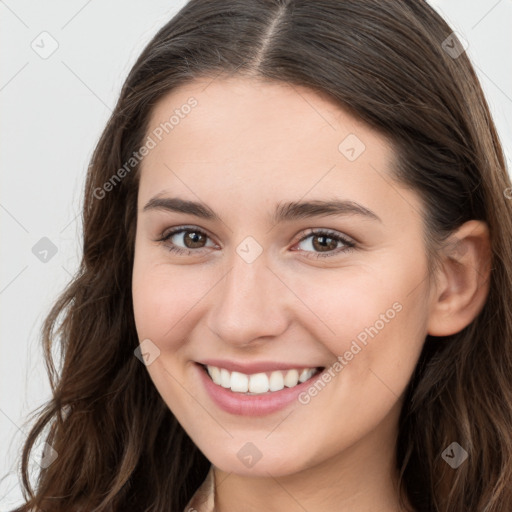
(349, 245)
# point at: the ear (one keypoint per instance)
(463, 282)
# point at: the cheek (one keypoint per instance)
(374, 317)
(343, 303)
(164, 300)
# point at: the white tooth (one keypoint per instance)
(239, 382)
(276, 381)
(305, 374)
(225, 378)
(291, 378)
(258, 383)
(214, 374)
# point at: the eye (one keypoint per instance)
(318, 243)
(326, 243)
(191, 239)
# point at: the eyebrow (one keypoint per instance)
(283, 212)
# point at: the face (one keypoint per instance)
(258, 287)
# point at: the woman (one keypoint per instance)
(296, 282)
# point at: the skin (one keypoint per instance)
(245, 147)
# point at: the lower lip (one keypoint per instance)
(251, 405)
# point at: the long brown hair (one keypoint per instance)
(119, 446)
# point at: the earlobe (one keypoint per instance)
(463, 285)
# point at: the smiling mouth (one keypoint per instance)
(259, 383)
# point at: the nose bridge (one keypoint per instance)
(248, 303)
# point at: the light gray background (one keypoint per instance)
(53, 110)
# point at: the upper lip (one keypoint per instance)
(250, 368)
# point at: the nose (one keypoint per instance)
(250, 303)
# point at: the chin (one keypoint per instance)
(276, 463)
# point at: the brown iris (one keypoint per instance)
(324, 245)
(195, 239)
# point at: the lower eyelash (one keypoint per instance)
(349, 246)
(179, 250)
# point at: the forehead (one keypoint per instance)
(262, 142)
(245, 119)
